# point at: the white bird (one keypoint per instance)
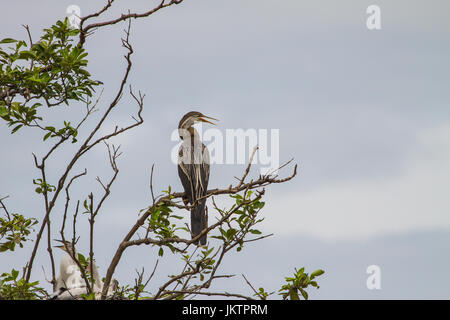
(70, 283)
(69, 273)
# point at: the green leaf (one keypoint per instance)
(14, 274)
(8, 40)
(304, 293)
(3, 111)
(81, 259)
(27, 55)
(316, 273)
(85, 204)
(230, 233)
(47, 136)
(16, 128)
(223, 232)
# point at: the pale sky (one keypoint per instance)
(365, 115)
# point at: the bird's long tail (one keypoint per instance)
(199, 221)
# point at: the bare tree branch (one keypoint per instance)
(85, 30)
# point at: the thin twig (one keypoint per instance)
(248, 282)
(123, 17)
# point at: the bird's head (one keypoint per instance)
(190, 118)
(64, 246)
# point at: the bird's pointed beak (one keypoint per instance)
(204, 119)
(62, 245)
(59, 246)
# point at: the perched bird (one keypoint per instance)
(70, 283)
(193, 170)
(69, 274)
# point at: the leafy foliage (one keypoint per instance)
(299, 283)
(12, 288)
(262, 294)
(42, 186)
(243, 219)
(15, 230)
(52, 70)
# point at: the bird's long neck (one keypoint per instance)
(189, 135)
(72, 253)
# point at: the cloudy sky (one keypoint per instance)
(364, 113)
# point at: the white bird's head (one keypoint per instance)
(65, 246)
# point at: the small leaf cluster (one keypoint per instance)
(243, 219)
(15, 230)
(43, 187)
(197, 266)
(86, 296)
(18, 114)
(64, 133)
(128, 292)
(160, 222)
(299, 283)
(85, 262)
(12, 288)
(136, 292)
(262, 294)
(204, 263)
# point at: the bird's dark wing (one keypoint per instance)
(194, 177)
(199, 220)
(204, 170)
